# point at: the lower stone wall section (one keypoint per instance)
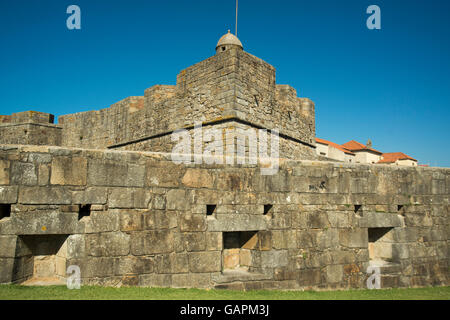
(138, 219)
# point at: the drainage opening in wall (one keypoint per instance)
(240, 251)
(210, 209)
(380, 245)
(5, 211)
(84, 211)
(268, 209)
(45, 259)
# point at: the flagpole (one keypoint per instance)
(237, 4)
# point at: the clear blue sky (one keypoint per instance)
(390, 85)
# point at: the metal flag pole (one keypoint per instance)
(237, 5)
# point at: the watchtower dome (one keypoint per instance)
(227, 42)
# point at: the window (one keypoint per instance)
(5, 211)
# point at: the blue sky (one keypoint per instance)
(390, 85)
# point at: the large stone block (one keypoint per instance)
(274, 258)
(4, 172)
(69, 171)
(93, 195)
(354, 238)
(382, 220)
(176, 199)
(151, 242)
(8, 246)
(237, 222)
(8, 194)
(111, 244)
(167, 175)
(45, 195)
(194, 241)
(44, 222)
(76, 246)
(23, 174)
(196, 280)
(117, 174)
(6, 270)
(137, 198)
(334, 273)
(192, 222)
(100, 221)
(197, 178)
(200, 262)
(155, 280)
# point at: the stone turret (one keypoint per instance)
(227, 42)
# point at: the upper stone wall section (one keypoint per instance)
(29, 127)
(229, 85)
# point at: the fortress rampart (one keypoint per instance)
(136, 218)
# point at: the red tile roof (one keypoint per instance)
(334, 145)
(394, 156)
(356, 146)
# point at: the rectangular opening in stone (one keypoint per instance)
(358, 208)
(84, 211)
(210, 209)
(46, 261)
(267, 209)
(380, 245)
(5, 211)
(239, 250)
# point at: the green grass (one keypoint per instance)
(17, 292)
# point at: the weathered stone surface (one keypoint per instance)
(353, 238)
(111, 244)
(8, 194)
(76, 247)
(128, 198)
(151, 242)
(382, 220)
(93, 195)
(69, 171)
(334, 273)
(177, 199)
(44, 195)
(4, 172)
(113, 173)
(8, 246)
(197, 178)
(200, 262)
(198, 280)
(274, 258)
(192, 222)
(100, 221)
(194, 241)
(155, 280)
(45, 222)
(161, 235)
(237, 222)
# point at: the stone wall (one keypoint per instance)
(230, 85)
(29, 127)
(231, 138)
(133, 218)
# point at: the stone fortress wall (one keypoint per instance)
(136, 218)
(126, 214)
(232, 87)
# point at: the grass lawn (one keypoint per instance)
(17, 292)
